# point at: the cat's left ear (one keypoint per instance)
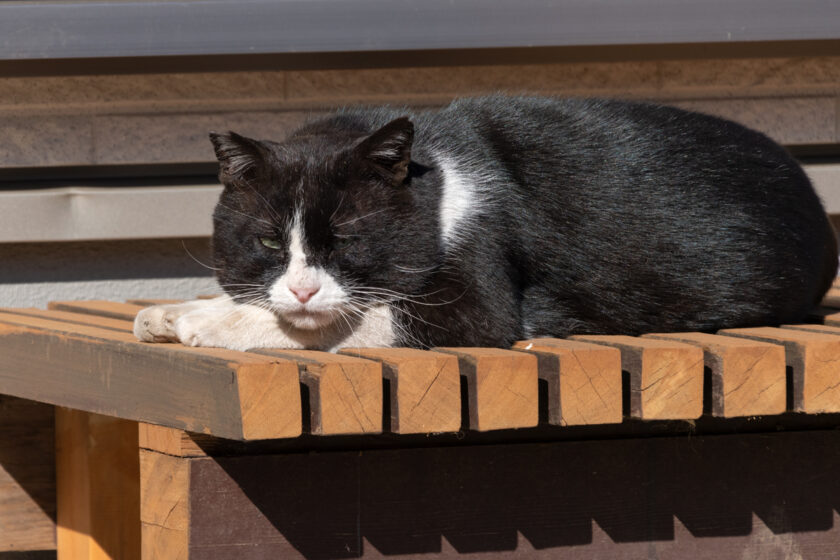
(389, 149)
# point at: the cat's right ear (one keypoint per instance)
(239, 157)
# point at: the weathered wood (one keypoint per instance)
(583, 380)
(502, 387)
(665, 378)
(97, 481)
(345, 393)
(222, 392)
(170, 441)
(424, 388)
(812, 358)
(27, 475)
(164, 506)
(145, 302)
(112, 309)
(75, 318)
(747, 376)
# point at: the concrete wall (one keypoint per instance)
(60, 114)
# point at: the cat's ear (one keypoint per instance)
(238, 156)
(389, 149)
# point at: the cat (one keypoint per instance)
(500, 218)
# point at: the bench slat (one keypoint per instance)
(502, 387)
(424, 388)
(666, 378)
(747, 376)
(221, 392)
(812, 357)
(583, 380)
(112, 309)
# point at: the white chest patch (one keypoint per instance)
(457, 201)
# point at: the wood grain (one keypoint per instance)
(120, 325)
(170, 441)
(221, 392)
(747, 376)
(502, 387)
(146, 302)
(812, 358)
(583, 380)
(97, 483)
(164, 506)
(345, 393)
(27, 475)
(665, 378)
(424, 388)
(112, 309)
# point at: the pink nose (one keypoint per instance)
(304, 294)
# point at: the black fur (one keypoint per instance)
(595, 217)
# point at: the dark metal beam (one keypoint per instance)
(55, 30)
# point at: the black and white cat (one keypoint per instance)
(500, 218)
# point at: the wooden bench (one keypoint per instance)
(674, 445)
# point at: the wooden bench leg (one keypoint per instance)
(97, 486)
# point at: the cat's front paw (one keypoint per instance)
(239, 327)
(157, 323)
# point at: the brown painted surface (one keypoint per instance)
(108, 372)
(666, 378)
(345, 393)
(583, 380)
(772, 495)
(165, 509)
(27, 475)
(112, 309)
(747, 376)
(502, 387)
(97, 481)
(812, 358)
(424, 388)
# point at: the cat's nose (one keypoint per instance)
(304, 293)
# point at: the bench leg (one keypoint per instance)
(97, 486)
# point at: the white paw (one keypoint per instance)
(157, 323)
(208, 327)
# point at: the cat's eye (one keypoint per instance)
(342, 242)
(270, 243)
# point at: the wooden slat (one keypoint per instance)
(747, 376)
(832, 298)
(345, 393)
(666, 378)
(825, 316)
(220, 392)
(146, 302)
(502, 387)
(168, 440)
(75, 318)
(813, 358)
(27, 476)
(583, 380)
(113, 309)
(164, 506)
(424, 388)
(97, 480)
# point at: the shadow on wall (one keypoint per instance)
(104, 260)
(482, 498)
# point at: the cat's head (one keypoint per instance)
(322, 226)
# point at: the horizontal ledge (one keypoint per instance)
(44, 30)
(99, 213)
(91, 213)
